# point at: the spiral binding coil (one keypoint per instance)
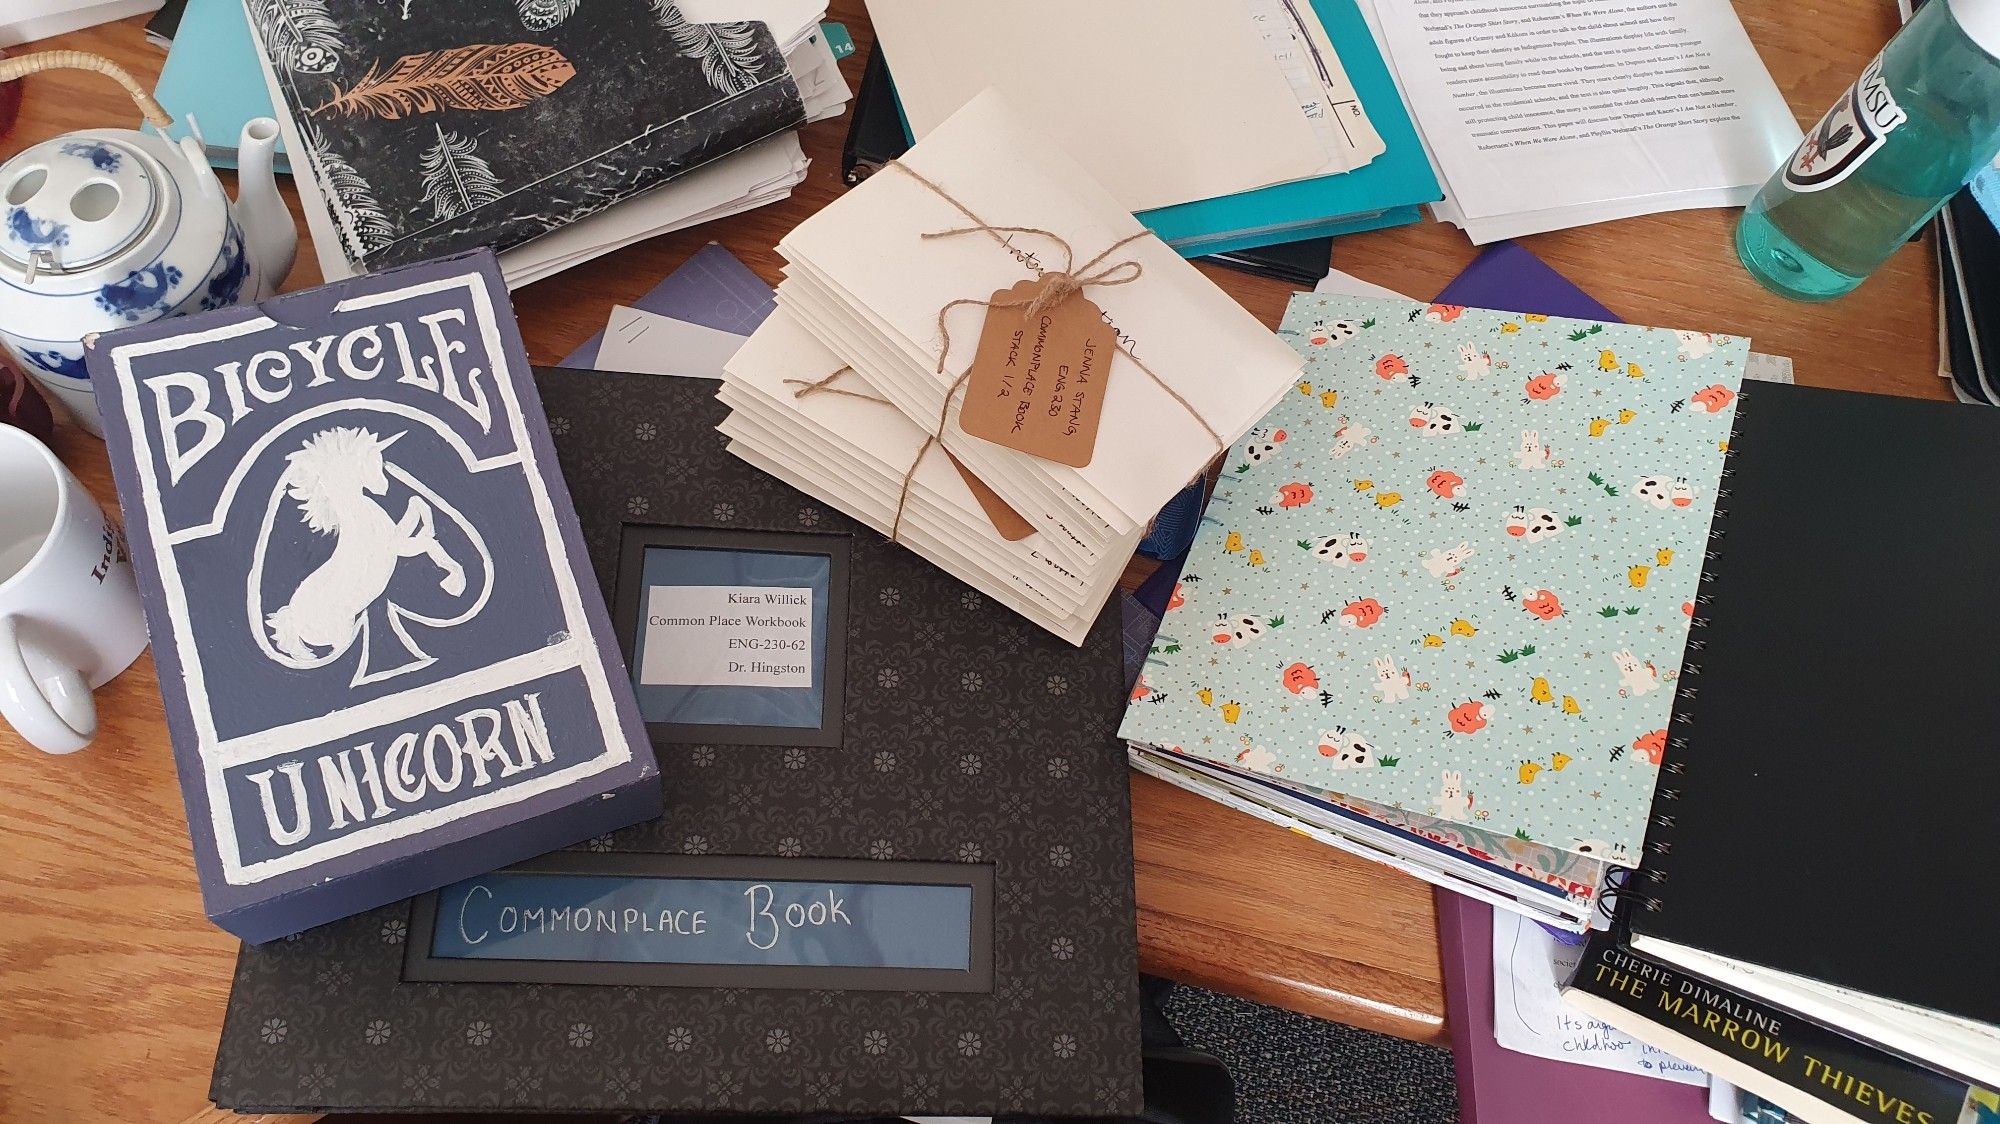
(1658, 847)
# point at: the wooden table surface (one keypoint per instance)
(112, 983)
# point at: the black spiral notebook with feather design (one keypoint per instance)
(1823, 833)
(429, 128)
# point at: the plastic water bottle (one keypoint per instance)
(1923, 117)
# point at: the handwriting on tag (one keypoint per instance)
(1037, 382)
(1005, 519)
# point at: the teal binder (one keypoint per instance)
(212, 73)
(1385, 192)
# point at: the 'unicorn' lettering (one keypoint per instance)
(390, 775)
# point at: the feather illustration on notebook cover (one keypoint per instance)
(1454, 572)
(430, 129)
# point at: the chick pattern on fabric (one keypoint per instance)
(1454, 572)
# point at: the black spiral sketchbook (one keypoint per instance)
(433, 128)
(1825, 808)
(894, 874)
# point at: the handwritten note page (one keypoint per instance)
(1530, 1017)
(1299, 45)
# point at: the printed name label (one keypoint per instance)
(725, 635)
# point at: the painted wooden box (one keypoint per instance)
(385, 662)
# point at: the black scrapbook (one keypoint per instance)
(1823, 808)
(894, 874)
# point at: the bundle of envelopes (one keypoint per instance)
(892, 291)
(553, 132)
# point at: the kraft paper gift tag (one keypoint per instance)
(1037, 379)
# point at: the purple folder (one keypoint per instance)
(712, 289)
(1496, 1085)
(1499, 1086)
(1507, 278)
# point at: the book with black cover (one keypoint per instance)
(916, 752)
(428, 129)
(1840, 728)
(1804, 1067)
(1969, 291)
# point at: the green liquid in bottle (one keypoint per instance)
(1918, 123)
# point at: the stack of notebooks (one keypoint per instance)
(1808, 922)
(1294, 131)
(550, 130)
(1437, 610)
(885, 292)
(1968, 257)
(1968, 242)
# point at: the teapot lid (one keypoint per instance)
(73, 203)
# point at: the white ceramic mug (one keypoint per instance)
(69, 606)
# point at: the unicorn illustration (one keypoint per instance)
(335, 478)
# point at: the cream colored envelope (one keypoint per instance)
(800, 348)
(855, 439)
(865, 255)
(853, 454)
(1164, 101)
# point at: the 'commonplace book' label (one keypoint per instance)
(362, 577)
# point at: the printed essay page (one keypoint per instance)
(1532, 104)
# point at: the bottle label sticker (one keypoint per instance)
(1851, 132)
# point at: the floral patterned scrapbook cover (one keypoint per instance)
(433, 128)
(1454, 572)
(1577, 877)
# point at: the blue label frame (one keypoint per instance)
(421, 965)
(628, 613)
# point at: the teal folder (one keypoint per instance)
(1385, 192)
(212, 73)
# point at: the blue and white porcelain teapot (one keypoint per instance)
(107, 228)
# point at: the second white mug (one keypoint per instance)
(70, 618)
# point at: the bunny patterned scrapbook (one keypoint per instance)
(1454, 572)
(377, 633)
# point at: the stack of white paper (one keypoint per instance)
(1548, 114)
(24, 21)
(864, 288)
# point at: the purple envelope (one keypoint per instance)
(1499, 1086)
(1507, 278)
(712, 288)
